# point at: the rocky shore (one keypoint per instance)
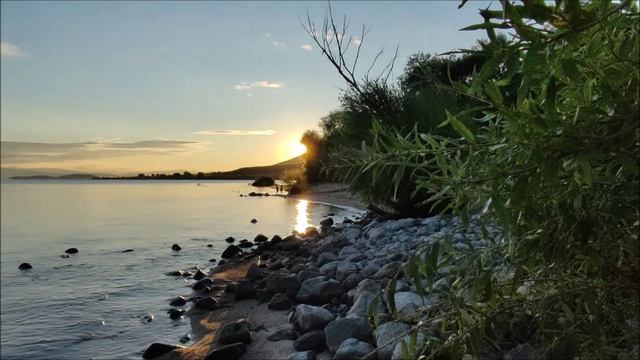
(315, 295)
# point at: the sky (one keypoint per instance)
(127, 87)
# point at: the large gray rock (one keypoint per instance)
(330, 268)
(308, 274)
(397, 350)
(351, 234)
(385, 333)
(362, 304)
(308, 318)
(244, 290)
(319, 290)
(280, 302)
(239, 331)
(353, 349)
(283, 334)
(407, 303)
(303, 355)
(313, 340)
(347, 251)
(388, 270)
(326, 257)
(283, 283)
(340, 330)
(352, 281)
(367, 286)
(345, 269)
(370, 269)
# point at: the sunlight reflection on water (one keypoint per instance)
(302, 216)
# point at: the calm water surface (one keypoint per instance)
(90, 305)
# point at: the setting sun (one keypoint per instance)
(296, 149)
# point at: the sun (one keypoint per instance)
(296, 148)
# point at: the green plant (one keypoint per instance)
(554, 164)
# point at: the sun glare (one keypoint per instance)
(296, 149)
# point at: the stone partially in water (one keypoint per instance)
(176, 247)
(260, 238)
(199, 275)
(25, 266)
(158, 349)
(175, 273)
(71, 251)
(200, 285)
(178, 301)
(253, 221)
(175, 314)
(230, 239)
(231, 251)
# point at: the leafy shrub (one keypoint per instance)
(555, 166)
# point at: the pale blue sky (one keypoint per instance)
(118, 72)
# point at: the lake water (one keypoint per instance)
(90, 305)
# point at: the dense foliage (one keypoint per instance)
(546, 147)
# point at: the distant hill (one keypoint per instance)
(245, 173)
(49, 177)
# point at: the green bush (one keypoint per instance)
(554, 164)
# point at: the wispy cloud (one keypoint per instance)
(356, 41)
(10, 50)
(262, 84)
(28, 152)
(236, 132)
(306, 47)
(279, 44)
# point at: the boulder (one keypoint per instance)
(361, 305)
(397, 350)
(254, 272)
(340, 330)
(227, 352)
(260, 238)
(352, 281)
(353, 349)
(158, 349)
(326, 257)
(202, 284)
(345, 269)
(319, 290)
(280, 302)
(313, 340)
(244, 290)
(370, 269)
(276, 239)
(231, 251)
(407, 303)
(230, 239)
(303, 355)
(290, 243)
(206, 303)
(386, 333)
(245, 244)
(280, 283)
(326, 222)
(175, 314)
(25, 266)
(178, 301)
(239, 331)
(263, 181)
(75, 250)
(330, 268)
(308, 274)
(283, 334)
(199, 275)
(308, 318)
(388, 270)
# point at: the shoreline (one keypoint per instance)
(308, 296)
